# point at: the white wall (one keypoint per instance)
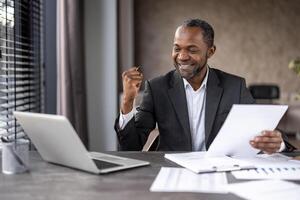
(101, 72)
(255, 39)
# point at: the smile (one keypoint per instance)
(185, 67)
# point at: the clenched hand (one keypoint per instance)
(132, 80)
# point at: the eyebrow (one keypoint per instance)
(189, 46)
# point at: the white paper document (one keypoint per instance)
(182, 180)
(274, 166)
(242, 124)
(266, 190)
(198, 162)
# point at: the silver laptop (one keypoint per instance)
(57, 142)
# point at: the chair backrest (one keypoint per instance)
(152, 141)
(265, 92)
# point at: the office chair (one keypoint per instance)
(264, 93)
(152, 141)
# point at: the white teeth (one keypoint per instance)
(184, 66)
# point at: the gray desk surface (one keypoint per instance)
(48, 181)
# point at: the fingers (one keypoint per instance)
(132, 74)
(134, 70)
(132, 80)
(268, 141)
(271, 133)
(266, 147)
(262, 145)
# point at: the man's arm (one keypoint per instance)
(133, 133)
(124, 119)
(269, 141)
(136, 132)
(124, 124)
(132, 80)
(246, 97)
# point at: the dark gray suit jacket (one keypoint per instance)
(164, 103)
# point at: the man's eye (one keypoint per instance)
(176, 49)
(194, 50)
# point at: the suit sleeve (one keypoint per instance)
(288, 146)
(135, 134)
(245, 95)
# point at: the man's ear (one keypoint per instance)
(211, 51)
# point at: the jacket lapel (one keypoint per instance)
(213, 96)
(178, 98)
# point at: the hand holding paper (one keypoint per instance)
(268, 141)
(242, 124)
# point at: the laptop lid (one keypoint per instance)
(57, 142)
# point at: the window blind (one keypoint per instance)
(21, 61)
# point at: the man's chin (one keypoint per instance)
(186, 75)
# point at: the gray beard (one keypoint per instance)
(195, 71)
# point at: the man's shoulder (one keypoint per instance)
(163, 80)
(225, 76)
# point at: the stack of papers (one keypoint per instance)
(285, 173)
(266, 190)
(231, 151)
(274, 166)
(183, 180)
(198, 162)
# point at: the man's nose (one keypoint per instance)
(183, 56)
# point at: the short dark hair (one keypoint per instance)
(207, 30)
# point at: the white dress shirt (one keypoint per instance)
(196, 110)
(124, 119)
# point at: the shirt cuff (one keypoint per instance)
(282, 147)
(124, 119)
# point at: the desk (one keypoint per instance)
(48, 181)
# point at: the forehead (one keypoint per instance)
(186, 36)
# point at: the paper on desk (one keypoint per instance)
(242, 124)
(274, 166)
(182, 180)
(198, 162)
(266, 190)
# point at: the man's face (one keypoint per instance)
(190, 52)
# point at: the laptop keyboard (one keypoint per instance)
(104, 165)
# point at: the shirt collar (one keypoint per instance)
(203, 84)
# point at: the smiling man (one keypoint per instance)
(189, 104)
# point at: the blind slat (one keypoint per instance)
(21, 60)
